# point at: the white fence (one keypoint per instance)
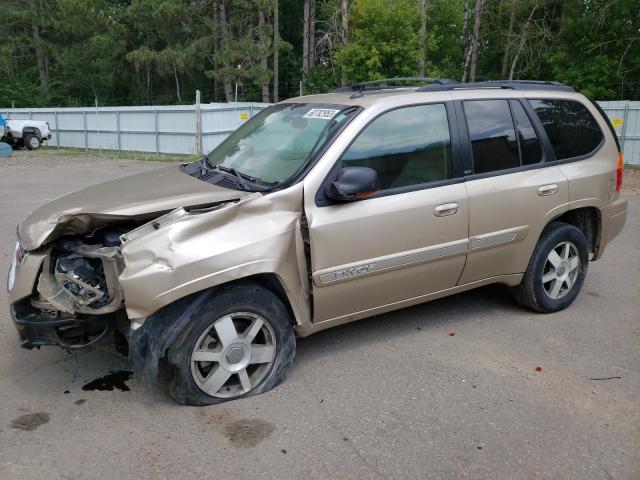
(171, 129)
(161, 129)
(625, 118)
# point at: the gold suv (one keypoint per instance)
(323, 210)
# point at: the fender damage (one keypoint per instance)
(124, 266)
(171, 270)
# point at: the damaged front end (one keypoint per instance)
(64, 286)
(77, 299)
(142, 277)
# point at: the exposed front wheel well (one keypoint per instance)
(587, 220)
(272, 283)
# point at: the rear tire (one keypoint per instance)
(239, 344)
(556, 271)
(31, 141)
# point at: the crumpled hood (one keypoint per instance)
(137, 197)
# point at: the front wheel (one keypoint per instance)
(556, 271)
(239, 344)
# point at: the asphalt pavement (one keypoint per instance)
(511, 395)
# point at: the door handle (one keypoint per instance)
(446, 209)
(546, 190)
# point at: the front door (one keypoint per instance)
(408, 240)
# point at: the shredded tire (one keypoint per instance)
(244, 297)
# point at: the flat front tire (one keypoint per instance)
(556, 271)
(240, 343)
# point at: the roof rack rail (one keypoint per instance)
(501, 84)
(359, 88)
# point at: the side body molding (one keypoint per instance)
(389, 262)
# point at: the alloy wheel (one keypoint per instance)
(561, 269)
(233, 355)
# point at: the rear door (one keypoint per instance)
(513, 192)
(410, 238)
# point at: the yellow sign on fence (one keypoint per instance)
(616, 122)
(244, 116)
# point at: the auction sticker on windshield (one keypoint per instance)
(323, 113)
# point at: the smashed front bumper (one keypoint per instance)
(39, 329)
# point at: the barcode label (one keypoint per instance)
(322, 113)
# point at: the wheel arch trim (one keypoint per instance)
(588, 219)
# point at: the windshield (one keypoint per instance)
(275, 144)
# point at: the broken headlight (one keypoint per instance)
(83, 277)
(16, 260)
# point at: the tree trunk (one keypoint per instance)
(43, 64)
(523, 39)
(475, 40)
(228, 92)
(216, 46)
(175, 75)
(465, 67)
(424, 5)
(344, 32)
(276, 52)
(308, 35)
(512, 21)
(312, 33)
(148, 83)
(264, 63)
(305, 37)
(464, 40)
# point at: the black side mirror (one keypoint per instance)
(353, 183)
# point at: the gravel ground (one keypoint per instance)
(390, 397)
(631, 181)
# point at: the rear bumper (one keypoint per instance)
(613, 218)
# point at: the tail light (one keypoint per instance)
(619, 172)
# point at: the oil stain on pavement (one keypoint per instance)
(248, 433)
(241, 433)
(30, 421)
(110, 382)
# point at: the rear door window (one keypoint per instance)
(571, 129)
(530, 148)
(493, 137)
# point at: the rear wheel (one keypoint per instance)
(556, 271)
(31, 141)
(239, 344)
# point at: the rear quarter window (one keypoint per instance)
(572, 130)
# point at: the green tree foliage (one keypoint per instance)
(598, 48)
(74, 52)
(384, 42)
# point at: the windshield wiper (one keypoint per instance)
(240, 176)
(205, 165)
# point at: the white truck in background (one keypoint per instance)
(25, 133)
